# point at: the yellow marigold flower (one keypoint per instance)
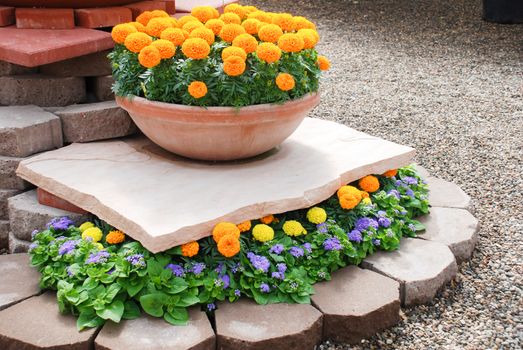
(300, 22)
(267, 220)
(197, 89)
(149, 57)
(233, 51)
(229, 246)
(139, 27)
(231, 31)
(366, 201)
(135, 42)
(268, 52)
(309, 39)
(203, 13)
(230, 17)
(183, 20)
(244, 226)
(316, 215)
(196, 48)
(349, 190)
(291, 42)
(364, 194)
(249, 9)
(115, 237)
(263, 233)
(144, 18)
(190, 249)
(186, 34)
(215, 25)
(251, 25)
(349, 200)
(99, 246)
(94, 233)
(284, 21)
(203, 33)
(85, 226)
(165, 47)
(391, 173)
(324, 63)
(225, 229)
(174, 22)
(261, 16)
(369, 183)
(235, 8)
(157, 25)
(192, 25)
(270, 33)
(293, 228)
(234, 66)
(174, 35)
(312, 32)
(121, 31)
(285, 82)
(159, 13)
(246, 42)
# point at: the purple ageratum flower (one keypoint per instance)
(197, 268)
(322, 228)
(264, 288)
(99, 257)
(410, 193)
(220, 268)
(61, 223)
(259, 262)
(355, 236)
(384, 222)
(394, 193)
(276, 249)
(364, 223)
(307, 247)
(33, 246)
(390, 233)
(136, 260)
(376, 242)
(409, 180)
(398, 183)
(281, 267)
(278, 275)
(332, 243)
(33, 234)
(237, 267)
(211, 307)
(226, 281)
(67, 247)
(237, 292)
(296, 252)
(412, 227)
(382, 213)
(177, 270)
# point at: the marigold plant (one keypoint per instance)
(197, 89)
(190, 249)
(115, 237)
(223, 229)
(369, 183)
(229, 246)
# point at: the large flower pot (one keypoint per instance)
(218, 133)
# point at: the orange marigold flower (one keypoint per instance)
(149, 57)
(309, 36)
(215, 25)
(139, 27)
(196, 48)
(115, 237)
(369, 183)
(165, 47)
(159, 13)
(261, 16)
(135, 42)
(230, 17)
(249, 9)
(121, 31)
(285, 81)
(324, 63)
(267, 220)
(270, 33)
(300, 22)
(190, 249)
(233, 51)
(203, 13)
(284, 21)
(197, 89)
(245, 226)
(268, 52)
(225, 229)
(234, 66)
(174, 22)
(174, 35)
(229, 246)
(246, 42)
(203, 33)
(157, 25)
(251, 25)
(184, 19)
(391, 173)
(291, 42)
(192, 25)
(364, 194)
(235, 8)
(349, 190)
(144, 18)
(186, 34)
(231, 31)
(349, 201)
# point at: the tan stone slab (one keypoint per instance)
(18, 280)
(447, 194)
(164, 200)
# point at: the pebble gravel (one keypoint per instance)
(433, 75)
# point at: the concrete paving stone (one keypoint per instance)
(424, 173)
(4, 196)
(19, 280)
(8, 177)
(7, 68)
(41, 90)
(102, 88)
(356, 304)
(4, 233)
(102, 16)
(447, 194)
(44, 18)
(16, 245)
(456, 228)
(92, 65)
(26, 130)
(95, 121)
(245, 325)
(421, 267)
(7, 16)
(36, 323)
(27, 215)
(155, 334)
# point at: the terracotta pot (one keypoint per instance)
(218, 133)
(65, 3)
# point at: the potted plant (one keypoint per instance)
(217, 87)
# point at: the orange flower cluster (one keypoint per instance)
(285, 82)
(391, 173)
(115, 237)
(227, 237)
(369, 183)
(268, 52)
(197, 89)
(349, 197)
(190, 249)
(234, 66)
(196, 48)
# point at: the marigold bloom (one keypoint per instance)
(391, 173)
(197, 89)
(244, 226)
(251, 25)
(215, 25)
(157, 25)
(223, 229)
(234, 66)
(192, 25)
(203, 33)
(115, 237)
(135, 42)
(263, 233)
(230, 17)
(165, 47)
(196, 48)
(310, 31)
(174, 22)
(184, 19)
(190, 249)
(203, 13)
(267, 220)
(364, 194)
(369, 183)
(149, 57)
(268, 52)
(316, 215)
(285, 82)
(349, 201)
(270, 33)
(300, 22)
(261, 16)
(159, 13)
(121, 31)
(249, 9)
(284, 21)
(94, 233)
(229, 246)
(293, 228)
(324, 63)
(174, 35)
(233, 51)
(235, 8)
(231, 31)
(349, 190)
(246, 42)
(85, 226)
(139, 27)
(144, 18)
(291, 42)
(310, 39)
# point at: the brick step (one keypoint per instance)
(92, 65)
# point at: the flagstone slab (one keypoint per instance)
(155, 334)
(447, 194)
(456, 228)
(245, 325)
(164, 200)
(356, 304)
(421, 267)
(19, 281)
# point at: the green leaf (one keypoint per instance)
(113, 311)
(88, 319)
(135, 287)
(170, 317)
(153, 304)
(131, 310)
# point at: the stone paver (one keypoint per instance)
(16, 245)
(7, 16)
(356, 304)
(102, 17)
(27, 215)
(422, 268)
(4, 196)
(36, 323)
(447, 194)
(92, 65)
(95, 121)
(456, 228)
(25, 130)
(102, 88)
(7, 68)
(4, 233)
(246, 325)
(19, 281)
(33, 18)
(8, 178)
(154, 333)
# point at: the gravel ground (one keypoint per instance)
(434, 76)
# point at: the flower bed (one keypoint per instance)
(102, 274)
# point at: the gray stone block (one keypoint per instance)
(4, 233)
(93, 65)
(18, 245)
(446, 194)
(4, 196)
(7, 68)
(8, 178)
(19, 279)
(102, 88)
